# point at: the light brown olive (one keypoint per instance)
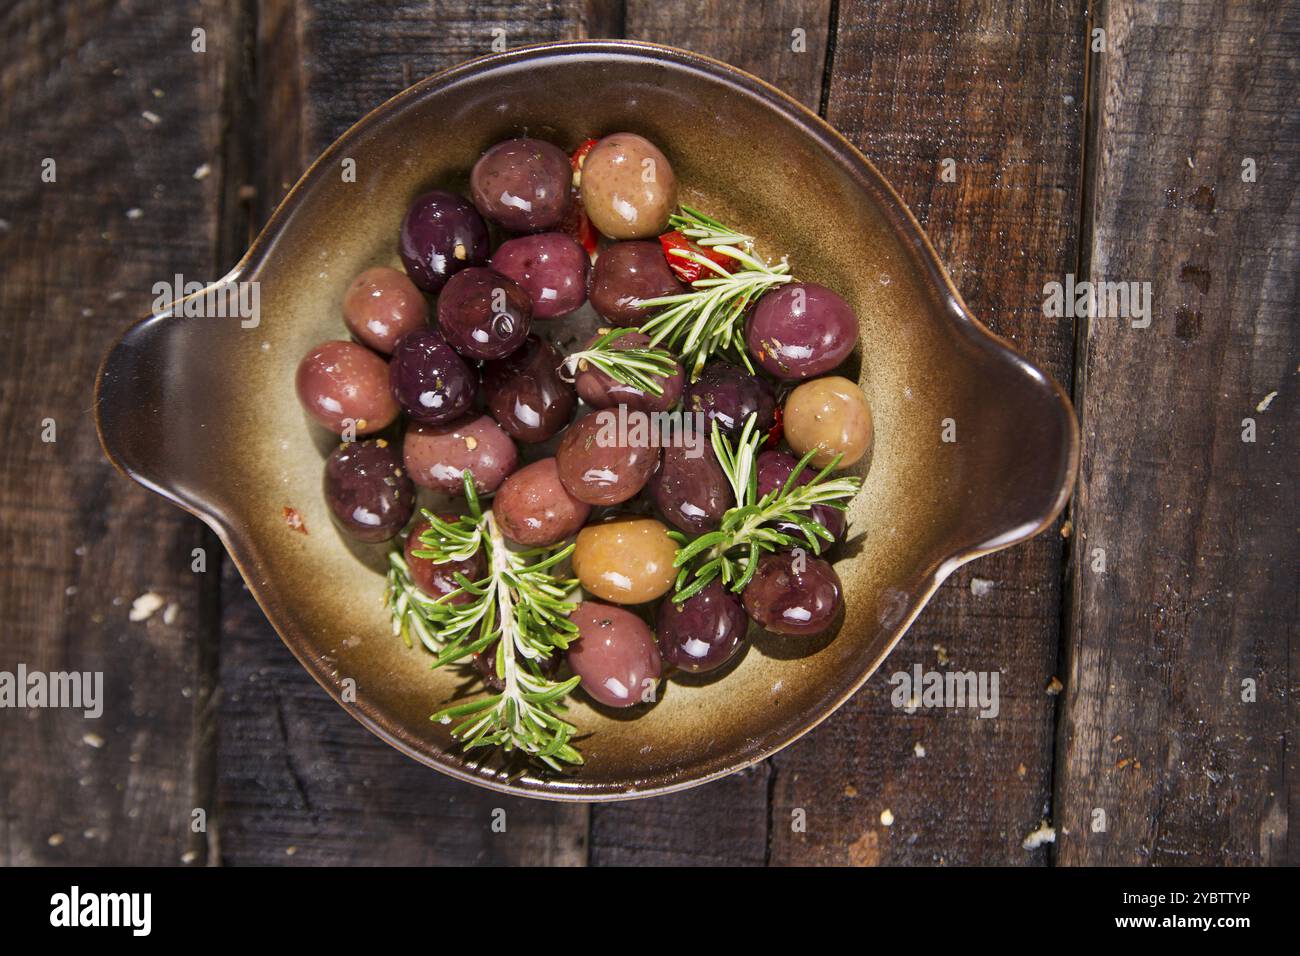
(436, 456)
(343, 384)
(533, 509)
(832, 415)
(615, 655)
(627, 561)
(381, 305)
(628, 187)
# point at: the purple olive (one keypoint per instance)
(601, 391)
(523, 184)
(801, 330)
(793, 593)
(430, 381)
(551, 267)
(367, 491)
(526, 394)
(615, 655)
(773, 468)
(437, 456)
(436, 580)
(600, 466)
(727, 395)
(533, 508)
(441, 234)
(689, 487)
(627, 272)
(703, 632)
(483, 314)
(344, 385)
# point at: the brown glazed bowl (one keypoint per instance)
(202, 410)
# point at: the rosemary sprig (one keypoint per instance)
(748, 529)
(520, 606)
(706, 231)
(638, 367)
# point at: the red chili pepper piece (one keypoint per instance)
(776, 431)
(689, 270)
(578, 226)
(578, 157)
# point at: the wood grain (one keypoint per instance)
(997, 88)
(1198, 594)
(127, 112)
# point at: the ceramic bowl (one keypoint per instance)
(202, 410)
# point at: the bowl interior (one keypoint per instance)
(239, 450)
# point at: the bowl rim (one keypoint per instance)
(813, 124)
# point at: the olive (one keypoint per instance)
(689, 487)
(703, 632)
(343, 385)
(381, 305)
(437, 580)
(533, 508)
(727, 395)
(615, 655)
(551, 267)
(628, 187)
(773, 468)
(526, 394)
(522, 184)
(437, 456)
(831, 415)
(801, 330)
(600, 466)
(432, 383)
(626, 273)
(627, 560)
(599, 390)
(441, 234)
(483, 314)
(367, 491)
(793, 593)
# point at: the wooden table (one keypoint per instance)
(1123, 140)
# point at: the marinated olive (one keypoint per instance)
(344, 385)
(432, 383)
(689, 487)
(441, 234)
(483, 314)
(599, 390)
(628, 187)
(381, 305)
(628, 560)
(551, 267)
(703, 632)
(832, 415)
(793, 593)
(773, 468)
(601, 467)
(615, 655)
(627, 273)
(533, 508)
(436, 580)
(801, 330)
(526, 394)
(438, 455)
(365, 487)
(728, 395)
(522, 184)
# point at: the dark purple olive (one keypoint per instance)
(344, 385)
(483, 314)
(485, 662)
(526, 394)
(551, 267)
(429, 380)
(793, 593)
(689, 487)
(600, 391)
(436, 580)
(627, 272)
(727, 395)
(437, 456)
(615, 655)
(773, 468)
(365, 487)
(441, 234)
(599, 465)
(801, 330)
(703, 632)
(523, 184)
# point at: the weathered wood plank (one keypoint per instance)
(1196, 524)
(725, 822)
(127, 112)
(995, 87)
(296, 772)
